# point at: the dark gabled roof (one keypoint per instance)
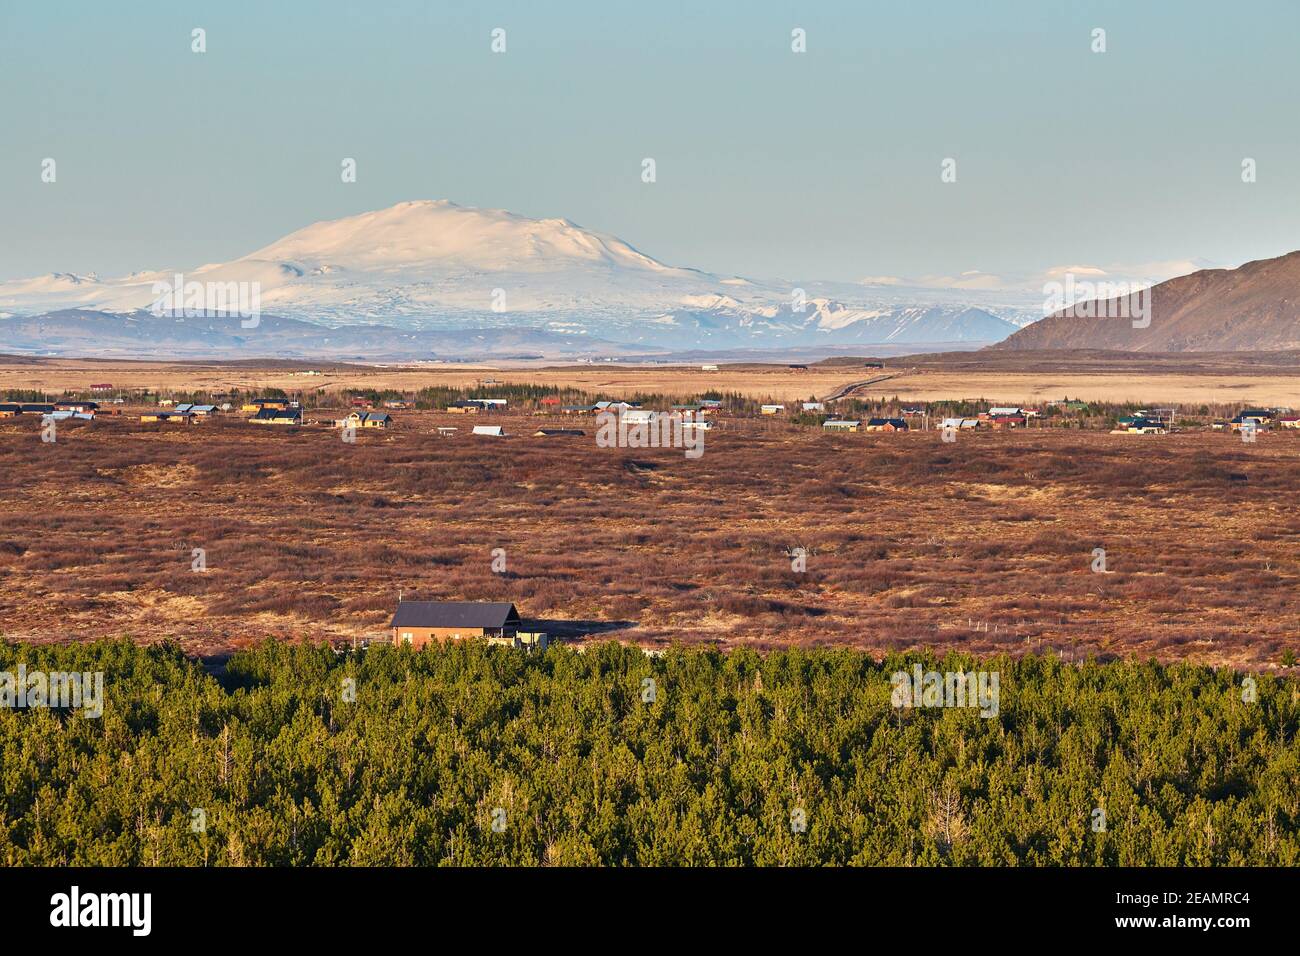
(273, 413)
(454, 614)
(560, 431)
(896, 422)
(36, 407)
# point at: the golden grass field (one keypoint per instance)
(903, 378)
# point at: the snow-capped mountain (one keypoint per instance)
(435, 265)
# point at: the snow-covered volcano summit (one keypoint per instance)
(439, 233)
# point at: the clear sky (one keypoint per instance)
(769, 163)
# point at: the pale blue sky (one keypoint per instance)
(821, 165)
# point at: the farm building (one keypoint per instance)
(397, 404)
(365, 420)
(639, 416)
(998, 422)
(550, 400)
(814, 406)
(886, 425)
(1140, 425)
(1247, 421)
(578, 409)
(771, 409)
(841, 425)
(257, 404)
(36, 409)
(557, 432)
(182, 418)
(464, 408)
(277, 416)
(446, 431)
(495, 431)
(102, 387)
(711, 404)
(1289, 421)
(697, 426)
(75, 406)
(10, 409)
(960, 423)
(419, 623)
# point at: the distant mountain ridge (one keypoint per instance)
(434, 265)
(1255, 307)
(88, 333)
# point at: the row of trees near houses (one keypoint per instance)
(467, 754)
(1077, 414)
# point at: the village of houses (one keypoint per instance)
(498, 416)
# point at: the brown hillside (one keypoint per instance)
(1252, 308)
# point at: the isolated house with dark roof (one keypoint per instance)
(419, 623)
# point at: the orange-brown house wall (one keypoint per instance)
(423, 636)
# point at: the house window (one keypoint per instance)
(406, 638)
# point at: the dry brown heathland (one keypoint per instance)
(984, 544)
